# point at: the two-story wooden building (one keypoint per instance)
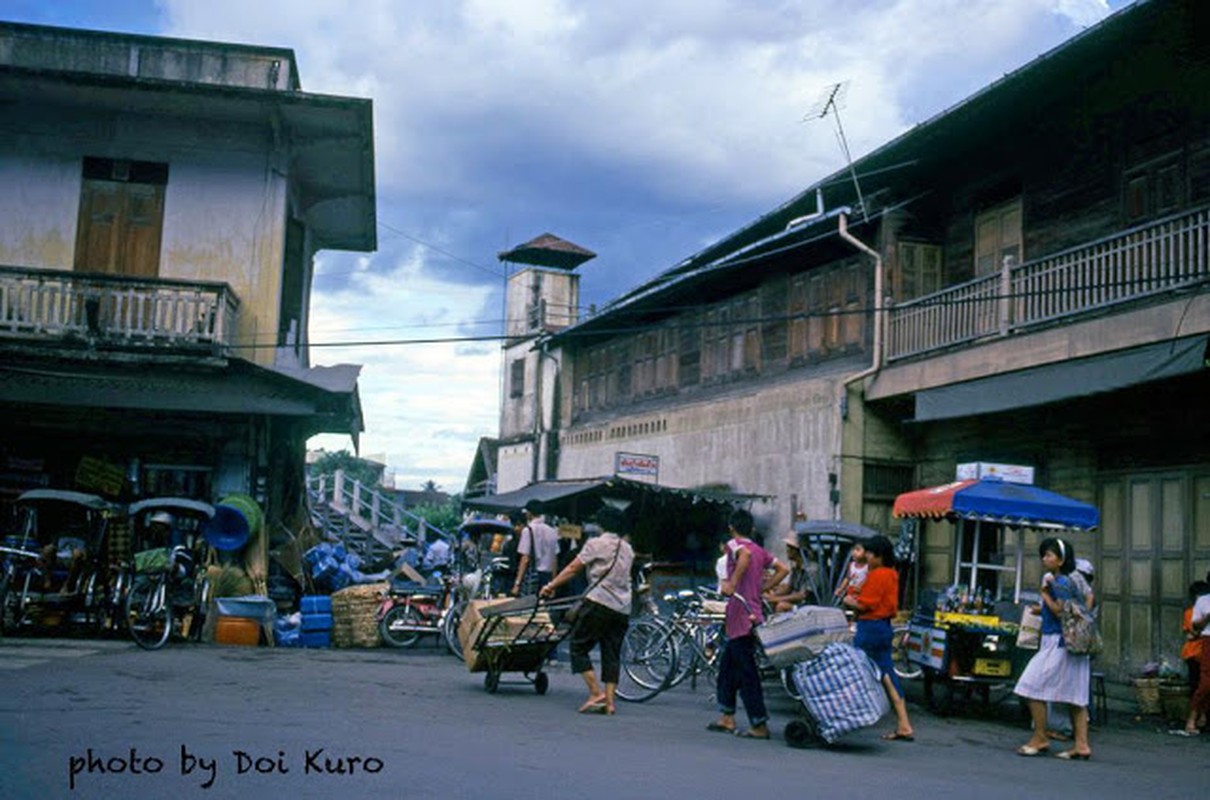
(1024, 279)
(163, 200)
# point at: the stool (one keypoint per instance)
(1098, 708)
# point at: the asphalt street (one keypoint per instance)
(102, 719)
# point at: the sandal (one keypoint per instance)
(719, 728)
(751, 735)
(896, 736)
(1031, 751)
(1072, 755)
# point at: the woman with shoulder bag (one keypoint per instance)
(1055, 675)
(604, 614)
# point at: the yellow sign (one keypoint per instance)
(995, 668)
(953, 618)
(100, 476)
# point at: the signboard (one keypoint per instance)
(1012, 473)
(635, 465)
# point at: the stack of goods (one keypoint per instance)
(801, 634)
(316, 621)
(354, 615)
(507, 630)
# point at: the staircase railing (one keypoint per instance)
(363, 518)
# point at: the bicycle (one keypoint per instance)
(159, 598)
(659, 654)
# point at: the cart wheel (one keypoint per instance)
(939, 699)
(541, 682)
(787, 682)
(799, 734)
(491, 681)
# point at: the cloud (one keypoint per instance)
(643, 131)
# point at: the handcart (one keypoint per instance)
(517, 636)
(964, 638)
(840, 691)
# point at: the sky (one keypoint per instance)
(643, 131)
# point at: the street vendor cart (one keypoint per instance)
(964, 638)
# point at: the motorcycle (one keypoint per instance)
(411, 610)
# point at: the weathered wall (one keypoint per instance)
(224, 206)
(778, 441)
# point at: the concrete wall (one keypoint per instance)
(224, 204)
(774, 440)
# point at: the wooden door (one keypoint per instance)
(121, 218)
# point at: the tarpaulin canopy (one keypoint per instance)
(548, 492)
(995, 500)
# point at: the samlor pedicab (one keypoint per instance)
(52, 568)
(964, 638)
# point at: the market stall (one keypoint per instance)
(964, 638)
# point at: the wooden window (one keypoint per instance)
(1154, 189)
(997, 236)
(689, 357)
(516, 378)
(817, 311)
(919, 271)
(774, 326)
(121, 217)
(751, 334)
(799, 322)
(852, 324)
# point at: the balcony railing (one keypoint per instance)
(46, 305)
(1168, 254)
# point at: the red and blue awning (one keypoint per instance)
(994, 500)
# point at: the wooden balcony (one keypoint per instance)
(1163, 256)
(39, 306)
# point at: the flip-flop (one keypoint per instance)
(1028, 751)
(717, 728)
(751, 735)
(896, 736)
(593, 708)
(1072, 755)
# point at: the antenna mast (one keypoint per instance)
(831, 102)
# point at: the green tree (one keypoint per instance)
(367, 473)
(446, 517)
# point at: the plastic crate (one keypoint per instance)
(315, 638)
(316, 622)
(316, 604)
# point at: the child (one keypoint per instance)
(855, 579)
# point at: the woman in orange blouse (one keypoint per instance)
(876, 605)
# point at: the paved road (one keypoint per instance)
(215, 722)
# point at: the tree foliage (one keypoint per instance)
(367, 473)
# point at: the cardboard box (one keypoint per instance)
(509, 630)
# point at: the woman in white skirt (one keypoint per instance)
(1053, 675)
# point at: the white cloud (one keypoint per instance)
(642, 130)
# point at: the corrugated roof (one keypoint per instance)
(548, 250)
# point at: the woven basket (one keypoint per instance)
(354, 612)
(1174, 700)
(1147, 691)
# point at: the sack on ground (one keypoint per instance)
(841, 690)
(1081, 635)
(1029, 635)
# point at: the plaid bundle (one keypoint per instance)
(842, 690)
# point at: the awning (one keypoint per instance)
(1063, 380)
(994, 500)
(555, 491)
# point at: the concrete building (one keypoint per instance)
(1023, 279)
(163, 203)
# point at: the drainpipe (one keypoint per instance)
(843, 230)
(537, 445)
(814, 215)
(876, 361)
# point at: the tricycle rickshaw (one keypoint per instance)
(169, 588)
(54, 569)
(964, 639)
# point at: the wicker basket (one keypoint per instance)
(354, 615)
(1174, 700)
(1147, 691)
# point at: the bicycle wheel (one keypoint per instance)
(395, 624)
(149, 613)
(905, 669)
(648, 658)
(449, 628)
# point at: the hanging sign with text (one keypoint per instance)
(635, 465)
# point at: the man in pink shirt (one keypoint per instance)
(746, 583)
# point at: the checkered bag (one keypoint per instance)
(841, 690)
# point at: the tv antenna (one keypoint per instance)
(829, 103)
